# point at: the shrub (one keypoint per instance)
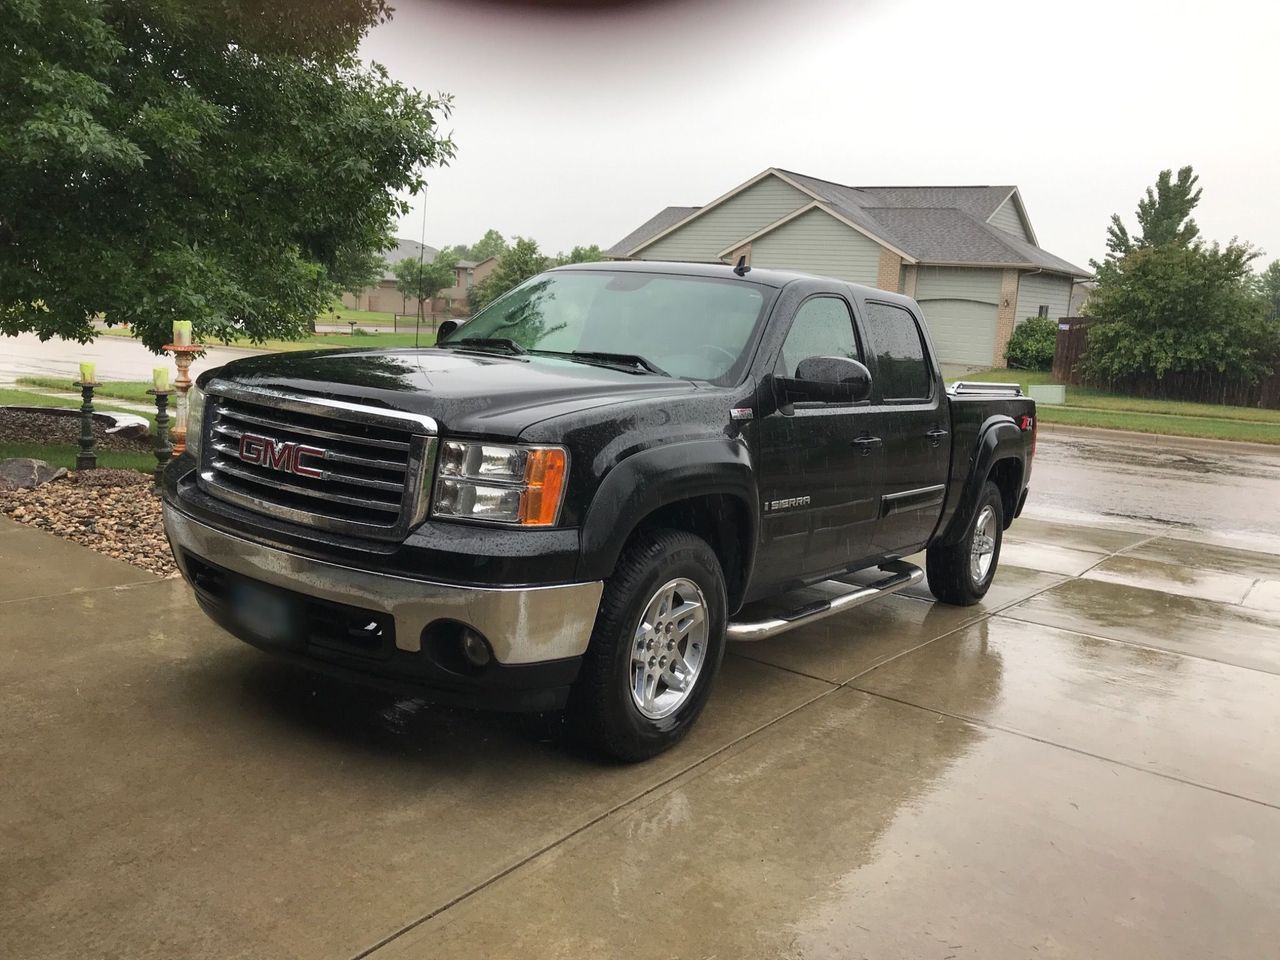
(1032, 345)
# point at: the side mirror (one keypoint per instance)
(446, 327)
(829, 380)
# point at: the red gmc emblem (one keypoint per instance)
(276, 455)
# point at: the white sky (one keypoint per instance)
(576, 125)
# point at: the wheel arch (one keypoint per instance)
(999, 457)
(703, 487)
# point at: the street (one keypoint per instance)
(117, 358)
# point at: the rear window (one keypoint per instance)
(894, 338)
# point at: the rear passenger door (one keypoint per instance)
(914, 421)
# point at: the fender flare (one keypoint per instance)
(654, 478)
(998, 439)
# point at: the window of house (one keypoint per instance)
(1043, 311)
(901, 368)
(823, 327)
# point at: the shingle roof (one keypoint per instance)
(931, 224)
(406, 250)
(660, 221)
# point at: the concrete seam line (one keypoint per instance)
(1063, 746)
(593, 821)
(1141, 646)
(77, 593)
(765, 663)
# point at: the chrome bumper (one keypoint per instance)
(522, 624)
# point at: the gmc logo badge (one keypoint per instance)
(275, 455)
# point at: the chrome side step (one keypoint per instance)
(900, 574)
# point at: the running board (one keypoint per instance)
(900, 574)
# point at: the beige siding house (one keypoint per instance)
(968, 254)
(452, 302)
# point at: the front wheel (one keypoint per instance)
(655, 649)
(961, 573)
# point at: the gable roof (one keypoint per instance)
(406, 250)
(661, 221)
(930, 224)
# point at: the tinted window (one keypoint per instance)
(822, 328)
(689, 326)
(894, 337)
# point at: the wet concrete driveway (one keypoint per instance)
(1086, 765)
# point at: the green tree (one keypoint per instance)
(1179, 309)
(591, 254)
(492, 244)
(1269, 289)
(522, 261)
(422, 280)
(358, 270)
(1164, 216)
(227, 163)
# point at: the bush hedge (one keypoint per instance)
(1032, 345)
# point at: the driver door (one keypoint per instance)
(819, 476)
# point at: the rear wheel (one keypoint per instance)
(961, 573)
(655, 649)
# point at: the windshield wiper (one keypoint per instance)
(610, 359)
(502, 343)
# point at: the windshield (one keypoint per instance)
(690, 327)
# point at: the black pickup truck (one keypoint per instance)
(580, 494)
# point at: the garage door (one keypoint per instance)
(963, 331)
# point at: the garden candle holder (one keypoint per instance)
(87, 457)
(183, 354)
(163, 448)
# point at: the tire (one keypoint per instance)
(956, 574)
(630, 706)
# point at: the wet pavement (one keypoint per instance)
(117, 358)
(1209, 490)
(1086, 764)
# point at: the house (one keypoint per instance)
(384, 297)
(967, 254)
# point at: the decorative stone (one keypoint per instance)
(24, 473)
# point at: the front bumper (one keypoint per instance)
(537, 633)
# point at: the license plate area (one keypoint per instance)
(281, 617)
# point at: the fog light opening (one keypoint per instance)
(457, 647)
(476, 649)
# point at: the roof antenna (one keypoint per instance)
(742, 269)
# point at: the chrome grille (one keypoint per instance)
(331, 464)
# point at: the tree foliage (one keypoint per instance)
(1179, 309)
(1164, 216)
(423, 279)
(1169, 304)
(1269, 290)
(591, 254)
(229, 163)
(492, 244)
(522, 261)
(1033, 344)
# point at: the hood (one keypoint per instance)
(466, 392)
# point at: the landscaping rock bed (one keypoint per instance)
(111, 511)
(28, 426)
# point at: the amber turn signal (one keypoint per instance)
(544, 478)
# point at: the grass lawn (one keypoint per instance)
(326, 341)
(1091, 407)
(26, 398)
(64, 455)
(341, 315)
(135, 390)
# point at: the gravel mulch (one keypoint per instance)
(111, 511)
(23, 427)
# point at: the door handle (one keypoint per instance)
(867, 444)
(935, 435)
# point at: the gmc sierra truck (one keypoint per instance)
(577, 496)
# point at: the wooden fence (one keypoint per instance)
(1206, 387)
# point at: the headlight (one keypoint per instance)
(500, 483)
(195, 421)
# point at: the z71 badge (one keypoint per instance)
(771, 505)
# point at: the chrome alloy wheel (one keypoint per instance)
(669, 648)
(983, 548)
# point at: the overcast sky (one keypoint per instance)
(575, 124)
